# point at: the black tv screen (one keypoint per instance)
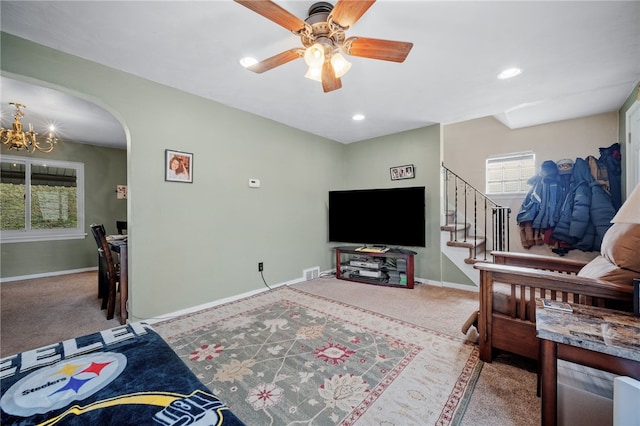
(388, 217)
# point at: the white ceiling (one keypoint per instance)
(578, 59)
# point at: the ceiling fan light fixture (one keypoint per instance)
(322, 34)
(340, 65)
(314, 55)
(315, 74)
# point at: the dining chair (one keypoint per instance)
(102, 268)
(121, 225)
(110, 275)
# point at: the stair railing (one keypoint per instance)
(464, 193)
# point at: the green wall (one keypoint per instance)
(368, 164)
(104, 168)
(194, 243)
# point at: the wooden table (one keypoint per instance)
(120, 246)
(595, 337)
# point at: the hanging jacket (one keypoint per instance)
(611, 159)
(539, 204)
(574, 226)
(564, 191)
(549, 179)
(586, 212)
(602, 209)
(531, 203)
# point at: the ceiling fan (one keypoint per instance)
(323, 36)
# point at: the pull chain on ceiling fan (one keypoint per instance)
(323, 36)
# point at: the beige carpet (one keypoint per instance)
(43, 311)
(49, 312)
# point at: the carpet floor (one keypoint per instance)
(43, 311)
(288, 357)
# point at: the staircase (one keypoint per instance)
(474, 226)
(460, 236)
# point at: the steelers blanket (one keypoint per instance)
(126, 375)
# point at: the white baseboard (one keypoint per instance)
(218, 302)
(197, 308)
(447, 284)
(46, 274)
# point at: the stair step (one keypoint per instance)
(479, 259)
(470, 243)
(453, 227)
(475, 244)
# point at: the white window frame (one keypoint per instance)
(499, 160)
(28, 234)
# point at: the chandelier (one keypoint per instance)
(18, 139)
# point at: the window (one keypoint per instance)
(508, 174)
(40, 199)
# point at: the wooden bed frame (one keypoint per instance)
(528, 277)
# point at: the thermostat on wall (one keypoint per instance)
(254, 183)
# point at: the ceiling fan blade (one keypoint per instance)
(276, 60)
(373, 48)
(275, 13)
(347, 12)
(329, 80)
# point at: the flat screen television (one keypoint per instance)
(386, 217)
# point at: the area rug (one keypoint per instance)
(287, 357)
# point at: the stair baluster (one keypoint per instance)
(499, 224)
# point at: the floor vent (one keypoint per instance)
(311, 273)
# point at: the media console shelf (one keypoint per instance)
(392, 268)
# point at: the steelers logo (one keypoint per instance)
(56, 386)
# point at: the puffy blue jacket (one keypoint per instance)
(574, 224)
(586, 212)
(540, 202)
(531, 203)
(602, 210)
(612, 160)
(549, 175)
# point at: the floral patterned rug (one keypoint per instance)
(288, 357)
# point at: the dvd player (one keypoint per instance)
(363, 264)
(372, 274)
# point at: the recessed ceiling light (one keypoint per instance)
(358, 117)
(247, 61)
(509, 73)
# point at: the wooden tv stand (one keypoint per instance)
(392, 268)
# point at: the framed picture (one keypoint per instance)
(402, 172)
(121, 192)
(178, 166)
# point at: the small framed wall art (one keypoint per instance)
(178, 166)
(121, 192)
(402, 172)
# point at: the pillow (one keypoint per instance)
(601, 268)
(621, 245)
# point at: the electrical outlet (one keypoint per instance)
(260, 266)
